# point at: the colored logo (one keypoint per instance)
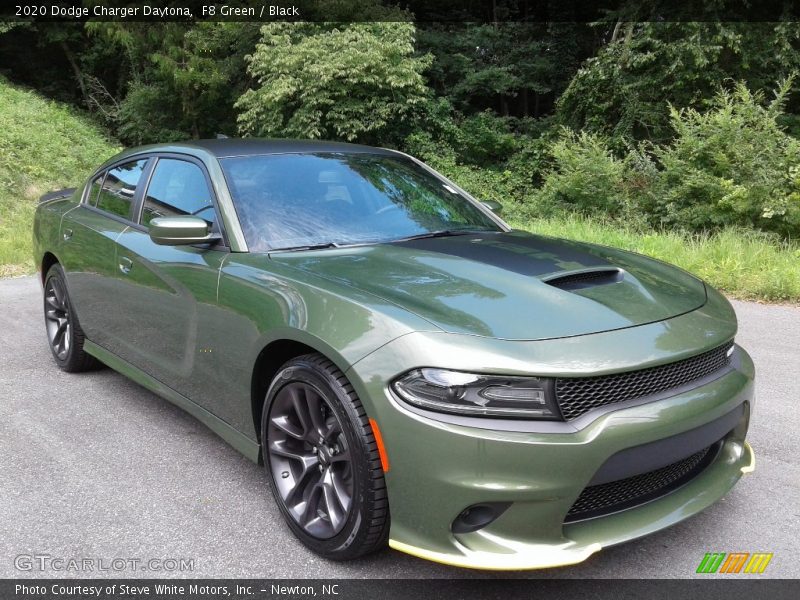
(734, 562)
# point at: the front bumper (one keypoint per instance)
(439, 468)
(584, 539)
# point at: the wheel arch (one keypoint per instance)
(48, 260)
(271, 358)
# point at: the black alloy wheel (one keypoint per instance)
(57, 319)
(311, 459)
(64, 334)
(323, 461)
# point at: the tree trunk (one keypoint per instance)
(525, 102)
(616, 31)
(627, 41)
(78, 74)
(628, 32)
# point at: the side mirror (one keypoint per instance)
(179, 231)
(493, 205)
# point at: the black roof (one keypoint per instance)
(253, 146)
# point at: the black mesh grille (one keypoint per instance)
(577, 395)
(597, 500)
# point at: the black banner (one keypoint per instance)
(452, 11)
(347, 589)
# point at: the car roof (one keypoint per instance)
(226, 147)
(230, 147)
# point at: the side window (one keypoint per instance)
(119, 187)
(178, 188)
(94, 189)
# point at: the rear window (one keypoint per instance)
(119, 188)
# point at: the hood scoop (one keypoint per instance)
(507, 285)
(578, 280)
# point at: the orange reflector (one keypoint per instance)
(381, 448)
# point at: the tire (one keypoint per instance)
(64, 334)
(316, 463)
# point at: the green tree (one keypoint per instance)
(513, 68)
(624, 90)
(182, 79)
(357, 81)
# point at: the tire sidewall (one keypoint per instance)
(352, 532)
(56, 272)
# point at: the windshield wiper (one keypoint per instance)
(307, 247)
(440, 233)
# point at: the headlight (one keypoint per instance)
(477, 395)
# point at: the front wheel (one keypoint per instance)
(325, 469)
(64, 333)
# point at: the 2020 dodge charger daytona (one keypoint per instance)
(408, 368)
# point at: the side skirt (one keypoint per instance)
(232, 436)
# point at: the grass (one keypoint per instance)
(43, 146)
(744, 264)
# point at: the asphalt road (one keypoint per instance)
(93, 465)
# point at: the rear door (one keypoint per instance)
(168, 294)
(89, 234)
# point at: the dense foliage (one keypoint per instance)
(624, 90)
(729, 165)
(657, 124)
(357, 81)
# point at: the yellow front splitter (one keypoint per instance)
(751, 463)
(536, 558)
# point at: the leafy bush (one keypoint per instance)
(730, 165)
(512, 183)
(486, 138)
(587, 177)
(484, 183)
(171, 80)
(146, 115)
(346, 81)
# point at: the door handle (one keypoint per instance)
(125, 265)
(67, 234)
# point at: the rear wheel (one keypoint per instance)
(64, 333)
(324, 466)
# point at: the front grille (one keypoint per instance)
(577, 395)
(597, 500)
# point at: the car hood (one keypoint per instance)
(511, 285)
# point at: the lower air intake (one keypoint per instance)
(606, 498)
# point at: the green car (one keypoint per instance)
(407, 368)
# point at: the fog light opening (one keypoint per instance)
(478, 516)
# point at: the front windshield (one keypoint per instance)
(294, 200)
